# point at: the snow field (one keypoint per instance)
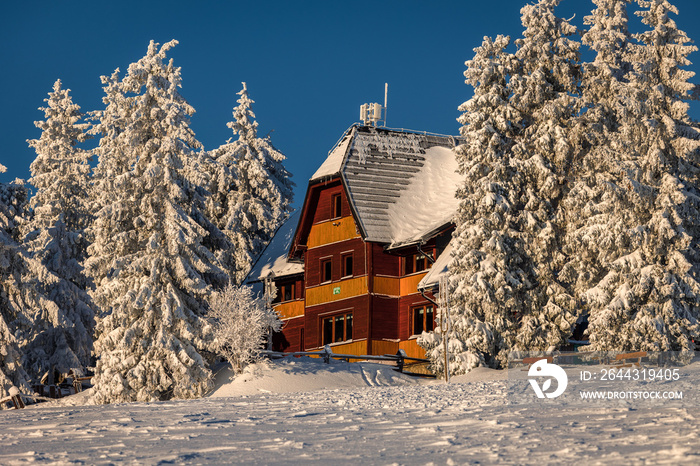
(306, 375)
(286, 414)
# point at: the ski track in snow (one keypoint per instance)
(414, 423)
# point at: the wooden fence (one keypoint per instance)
(45, 392)
(400, 358)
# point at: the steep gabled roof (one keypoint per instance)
(400, 184)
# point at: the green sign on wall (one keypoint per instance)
(336, 290)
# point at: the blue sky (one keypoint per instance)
(309, 65)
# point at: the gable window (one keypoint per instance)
(423, 319)
(337, 328)
(326, 270)
(346, 260)
(336, 206)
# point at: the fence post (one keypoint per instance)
(400, 361)
(16, 398)
(327, 354)
(77, 385)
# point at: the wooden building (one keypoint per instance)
(352, 267)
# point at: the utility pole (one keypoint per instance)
(269, 294)
(444, 300)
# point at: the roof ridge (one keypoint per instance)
(408, 131)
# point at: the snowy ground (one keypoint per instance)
(303, 411)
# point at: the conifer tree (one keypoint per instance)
(598, 208)
(546, 92)
(253, 193)
(60, 174)
(151, 269)
(12, 372)
(486, 276)
(55, 237)
(648, 297)
(596, 200)
(28, 345)
(505, 291)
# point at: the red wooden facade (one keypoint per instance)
(351, 283)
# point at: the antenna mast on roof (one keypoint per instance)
(386, 93)
(370, 114)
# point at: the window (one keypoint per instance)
(417, 263)
(326, 270)
(423, 319)
(336, 206)
(285, 292)
(346, 260)
(337, 328)
(421, 262)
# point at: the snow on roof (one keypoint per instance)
(439, 268)
(333, 163)
(274, 261)
(429, 200)
(400, 183)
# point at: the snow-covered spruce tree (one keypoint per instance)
(12, 372)
(242, 323)
(596, 207)
(253, 192)
(546, 93)
(648, 299)
(25, 284)
(505, 292)
(151, 271)
(55, 237)
(487, 279)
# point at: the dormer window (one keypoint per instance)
(417, 263)
(285, 292)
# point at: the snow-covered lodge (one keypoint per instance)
(355, 268)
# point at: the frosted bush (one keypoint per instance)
(242, 324)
